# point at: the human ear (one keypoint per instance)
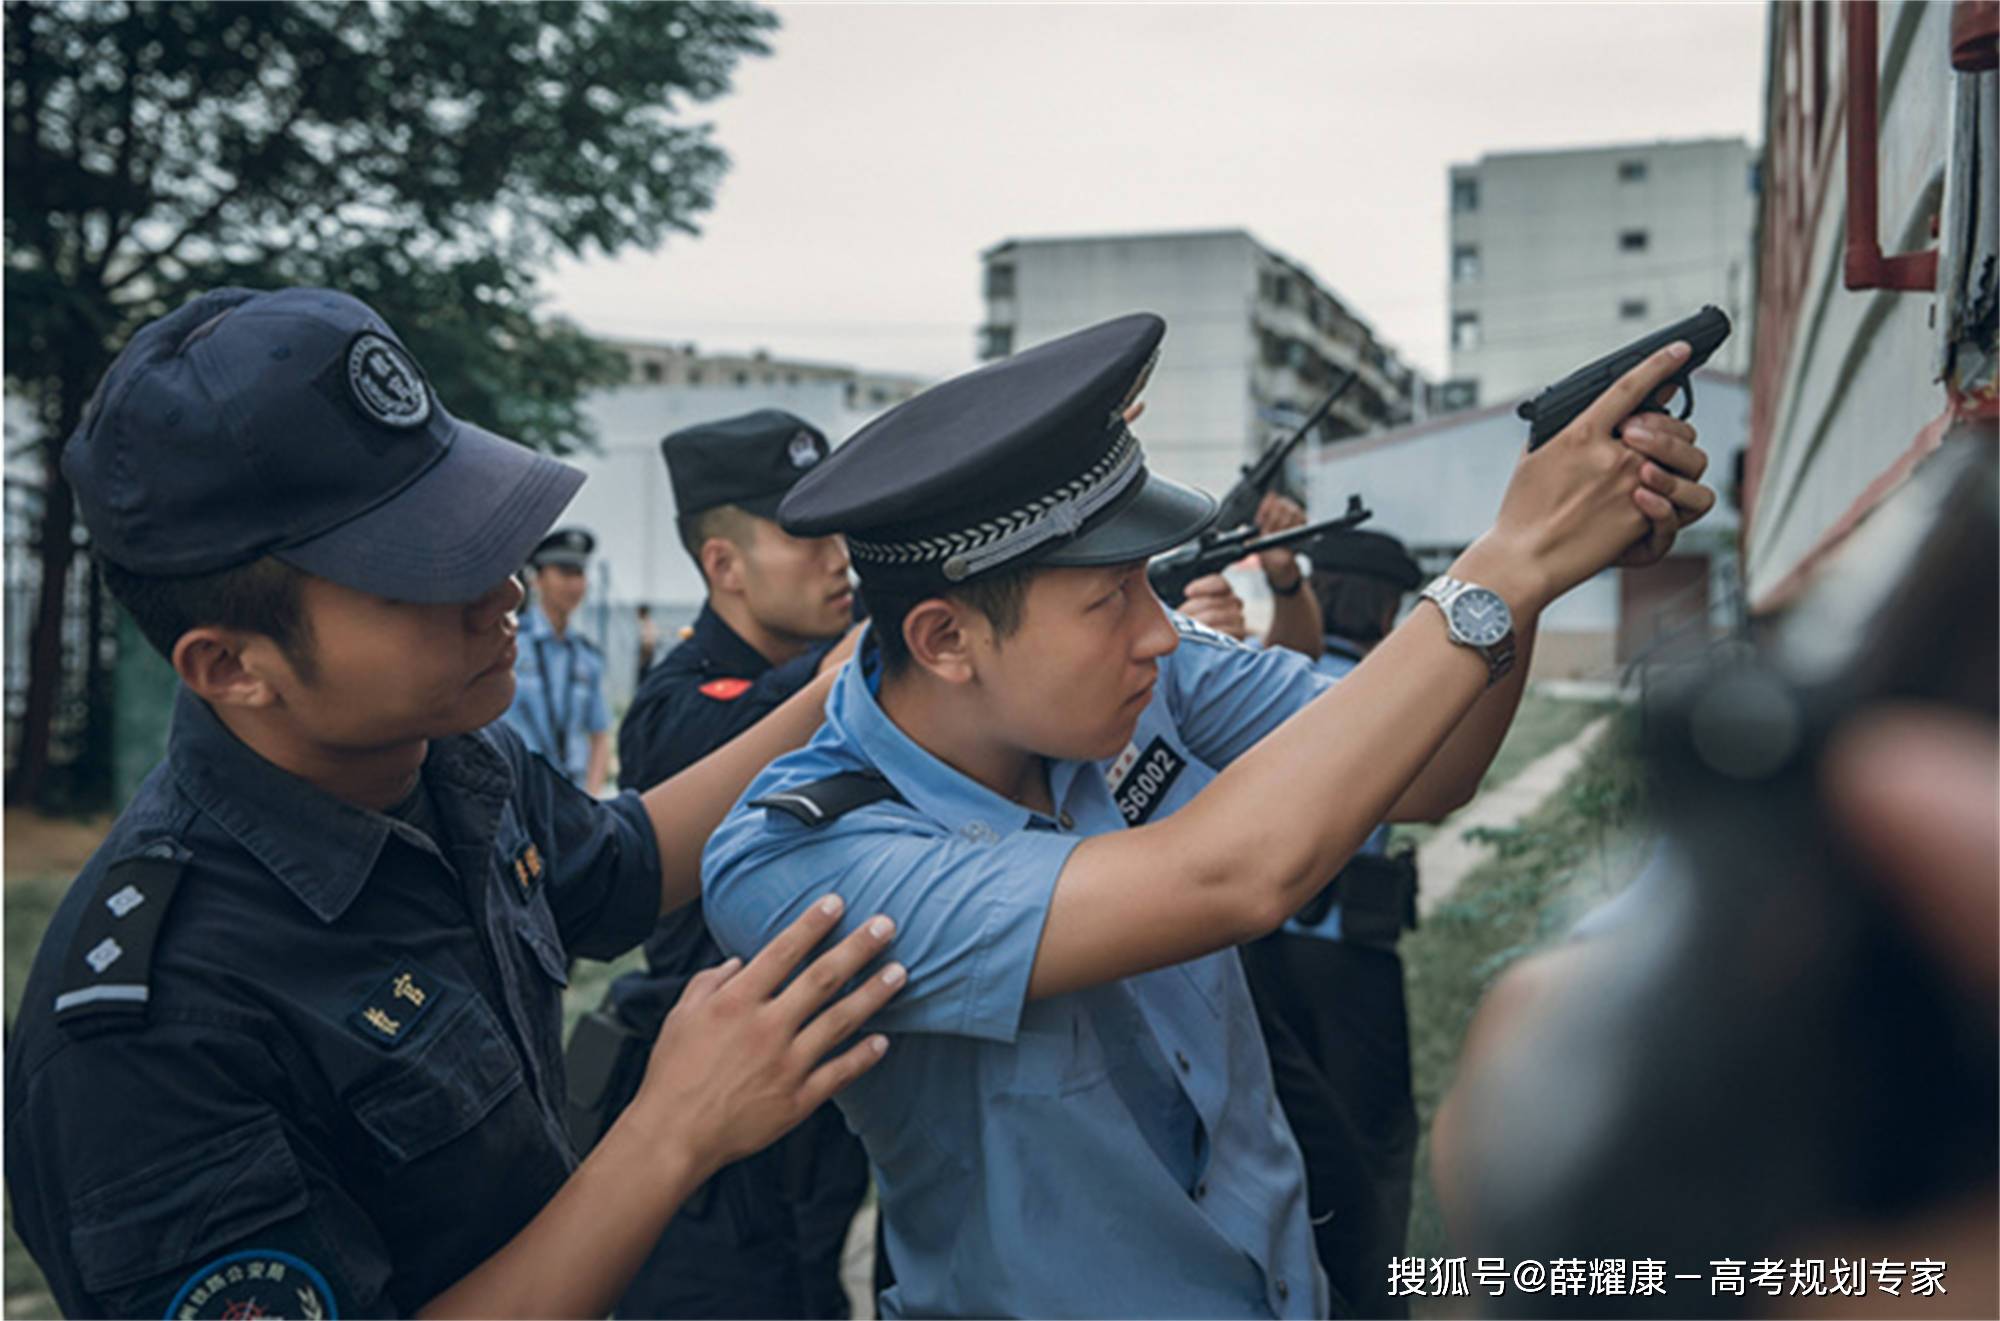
(226, 667)
(937, 639)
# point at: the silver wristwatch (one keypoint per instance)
(1476, 617)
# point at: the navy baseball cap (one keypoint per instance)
(294, 423)
(1026, 460)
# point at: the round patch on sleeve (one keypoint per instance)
(258, 1283)
(725, 690)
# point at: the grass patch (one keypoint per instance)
(1581, 846)
(1541, 725)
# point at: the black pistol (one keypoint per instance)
(1551, 410)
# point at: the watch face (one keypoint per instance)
(1480, 617)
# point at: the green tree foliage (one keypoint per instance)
(430, 156)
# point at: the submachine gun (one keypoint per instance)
(1233, 533)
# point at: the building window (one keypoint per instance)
(652, 372)
(1632, 240)
(999, 281)
(694, 376)
(1456, 394)
(1631, 309)
(996, 341)
(1631, 171)
(1464, 195)
(1465, 262)
(743, 378)
(1465, 330)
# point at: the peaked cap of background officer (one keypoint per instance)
(566, 546)
(1025, 461)
(751, 461)
(295, 424)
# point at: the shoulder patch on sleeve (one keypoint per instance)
(825, 801)
(107, 972)
(260, 1282)
(725, 690)
(1202, 633)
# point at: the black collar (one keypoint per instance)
(321, 848)
(724, 648)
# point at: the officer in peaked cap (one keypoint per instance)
(764, 1238)
(1329, 983)
(292, 1043)
(1026, 461)
(559, 707)
(1076, 805)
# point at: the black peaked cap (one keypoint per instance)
(1025, 460)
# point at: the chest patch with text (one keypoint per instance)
(1140, 783)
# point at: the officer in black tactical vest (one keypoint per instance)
(1329, 983)
(764, 1237)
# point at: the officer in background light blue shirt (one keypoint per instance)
(559, 708)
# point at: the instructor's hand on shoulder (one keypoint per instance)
(748, 1051)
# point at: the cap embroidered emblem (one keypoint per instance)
(802, 452)
(386, 384)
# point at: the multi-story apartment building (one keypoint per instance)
(1253, 339)
(1558, 257)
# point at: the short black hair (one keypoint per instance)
(999, 596)
(1353, 605)
(730, 522)
(263, 596)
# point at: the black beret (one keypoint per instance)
(1367, 555)
(1027, 459)
(750, 461)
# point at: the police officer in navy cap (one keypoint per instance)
(1076, 805)
(764, 1237)
(559, 708)
(292, 1042)
(1329, 983)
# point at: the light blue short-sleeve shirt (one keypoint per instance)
(558, 693)
(1115, 1151)
(1337, 662)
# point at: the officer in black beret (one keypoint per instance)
(559, 707)
(764, 1238)
(1329, 984)
(292, 1042)
(1076, 806)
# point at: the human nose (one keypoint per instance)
(837, 553)
(503, 598)
(1157, 635)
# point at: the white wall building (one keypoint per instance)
(627, 502)
(1437, 485)
(1558, 257)
(1253, 339)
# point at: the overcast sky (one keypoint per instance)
(878, 150)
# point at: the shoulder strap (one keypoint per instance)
(107, 973)
(825, 801)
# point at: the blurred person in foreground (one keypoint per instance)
(1783, 1047)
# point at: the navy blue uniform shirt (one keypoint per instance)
(337, 1083)
(702, 694)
